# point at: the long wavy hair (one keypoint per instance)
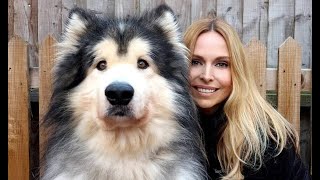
(252, 123)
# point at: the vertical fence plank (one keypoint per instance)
(21, 18)
(33, 31)
(125, 8)
(251, 19)
(303, 30)
(289, 81)
(231, 11)
(49, 19)
(263, 24)
(18, 110)
(25, 26)
(256, 56)
(196, 10)
(46, 56)
(281, 23)
(10, 19)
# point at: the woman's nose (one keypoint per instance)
(206, 74)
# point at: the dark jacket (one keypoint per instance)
(286, 166)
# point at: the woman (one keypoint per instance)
(245, 137)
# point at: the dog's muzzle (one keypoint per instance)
(119, 93)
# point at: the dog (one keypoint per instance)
(120, 107)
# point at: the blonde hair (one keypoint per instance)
(252, 123)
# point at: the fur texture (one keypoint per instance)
(121, 108)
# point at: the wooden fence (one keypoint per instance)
(288, 80)
(269, 20)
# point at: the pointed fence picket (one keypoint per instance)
(257, 58)
(289, 81)
(18, 110)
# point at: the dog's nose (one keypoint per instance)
(119, 93)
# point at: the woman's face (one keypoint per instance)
(210, 74)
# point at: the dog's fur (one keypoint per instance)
(121, 108)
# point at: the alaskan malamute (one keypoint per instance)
(120, 107)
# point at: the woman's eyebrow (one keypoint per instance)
(197, 56)
(227, 58)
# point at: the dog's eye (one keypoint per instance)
(102, 65)
(142, 64)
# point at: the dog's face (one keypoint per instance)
(121, 90)
(121, 73)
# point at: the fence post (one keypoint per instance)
(289, 81)
(256, 56)
(18, 110)
(46, 60)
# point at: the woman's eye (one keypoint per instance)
(222, 64)
(142, 64)
(195, 62)
(102, 65)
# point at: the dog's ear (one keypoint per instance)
(76, 25)
(165, 17)
(77, 22)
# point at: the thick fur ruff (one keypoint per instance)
(121, 108)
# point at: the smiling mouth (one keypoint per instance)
(205, 90)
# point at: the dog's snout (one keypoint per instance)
(119, 93)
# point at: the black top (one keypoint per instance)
(286, 166)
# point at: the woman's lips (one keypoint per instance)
(205, 89)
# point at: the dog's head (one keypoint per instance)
(121, 73)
